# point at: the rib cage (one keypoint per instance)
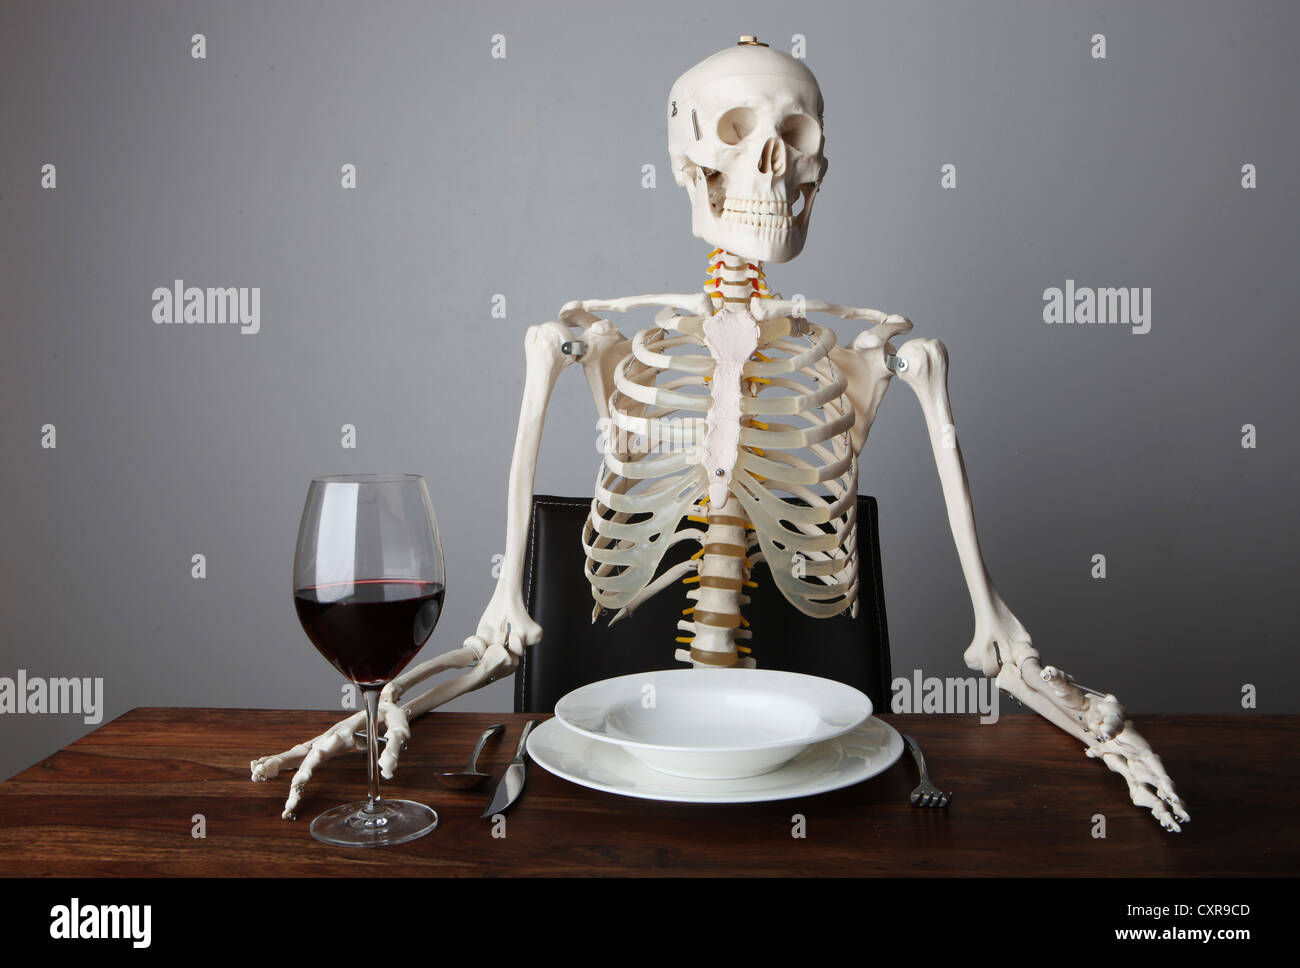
(809, 544)
(649, 479)
(795, 479)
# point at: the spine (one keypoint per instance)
(734, 281)
(714, 619)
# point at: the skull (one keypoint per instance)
(745, 141)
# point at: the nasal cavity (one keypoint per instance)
(771, 160)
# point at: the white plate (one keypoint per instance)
(870, 749)
(714, 723)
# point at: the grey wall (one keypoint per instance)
(522, 176)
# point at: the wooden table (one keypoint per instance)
(120, 801)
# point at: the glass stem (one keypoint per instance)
(372, 748)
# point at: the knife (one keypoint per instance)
(511, 785)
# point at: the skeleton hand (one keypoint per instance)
(1100, 722)
(1129, 755)
(1121, 747)
(339, 738)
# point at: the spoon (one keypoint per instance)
(471, 777)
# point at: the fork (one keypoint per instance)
(926, 794)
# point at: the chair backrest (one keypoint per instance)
(575, 651)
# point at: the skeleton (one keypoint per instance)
(736, 424)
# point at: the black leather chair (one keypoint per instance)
(574, 652)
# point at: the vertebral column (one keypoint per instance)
(724, 575)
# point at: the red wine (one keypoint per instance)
(370, 630)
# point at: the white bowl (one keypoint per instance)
(714, 724)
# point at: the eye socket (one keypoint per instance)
(802, 133)
(735, 125)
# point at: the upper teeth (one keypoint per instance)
(758, 213)
(765, 206)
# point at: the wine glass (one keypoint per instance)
(368, 584)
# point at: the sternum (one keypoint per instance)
(731, 335)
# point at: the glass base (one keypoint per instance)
(393, 822)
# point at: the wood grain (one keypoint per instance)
(120, 801)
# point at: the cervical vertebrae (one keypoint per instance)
(695, 442)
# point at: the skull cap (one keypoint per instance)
(743, 60)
